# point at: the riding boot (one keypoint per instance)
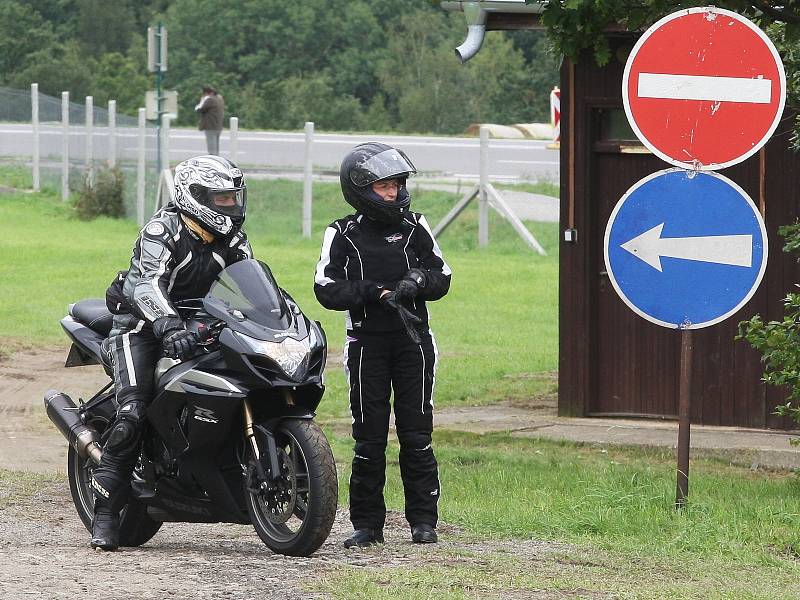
(105, 528)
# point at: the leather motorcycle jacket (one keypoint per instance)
(171, 263)
(361, 257)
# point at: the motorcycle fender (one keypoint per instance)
(267, 429)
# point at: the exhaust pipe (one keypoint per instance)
(61, 410)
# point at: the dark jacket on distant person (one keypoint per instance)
(212, 110)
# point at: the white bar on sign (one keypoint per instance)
(699, 87)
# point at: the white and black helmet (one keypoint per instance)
(211, 190)
(367, 164)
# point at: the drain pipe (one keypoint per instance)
(476, 30)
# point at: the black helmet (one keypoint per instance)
(371, 162)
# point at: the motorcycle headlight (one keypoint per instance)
(290, 354)
(315, 337)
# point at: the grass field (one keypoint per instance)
(49, 259)
(609, 509)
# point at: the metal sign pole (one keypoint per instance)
(158, 96)
(684, 418)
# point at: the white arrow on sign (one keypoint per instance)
(736, 250)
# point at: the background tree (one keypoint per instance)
(351, 65)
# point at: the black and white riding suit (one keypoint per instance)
(170, 263)
(360, 258)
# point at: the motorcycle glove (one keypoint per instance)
(180, 344)
(410, 285)
(176, 341)
(408, 318)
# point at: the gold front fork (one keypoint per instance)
(248, 428)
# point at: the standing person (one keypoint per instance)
(381, 265)
(212, 111)
(178, 255)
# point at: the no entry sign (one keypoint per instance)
(704, 88)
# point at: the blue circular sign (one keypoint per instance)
(685, 249)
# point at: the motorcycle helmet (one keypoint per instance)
(211, 190)
(371, 162)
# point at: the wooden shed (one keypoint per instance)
(611, 361)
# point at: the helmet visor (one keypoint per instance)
(384, 165)
(230, 202)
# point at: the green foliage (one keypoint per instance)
(103, 197)
(348, 65)
(779, 341)
(23, 32)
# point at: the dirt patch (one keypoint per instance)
(28, 441)
(38, 523)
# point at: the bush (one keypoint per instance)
(779, 341)
(104, 197)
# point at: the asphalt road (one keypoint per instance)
(450, 157)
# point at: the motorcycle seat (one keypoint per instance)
(94, 314)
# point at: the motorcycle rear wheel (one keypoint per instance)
(300, 524)
(135, 526)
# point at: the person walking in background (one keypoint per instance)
(212, 111)
(381, 265)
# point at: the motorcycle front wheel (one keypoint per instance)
(294, 514)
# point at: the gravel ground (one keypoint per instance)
(44, 552)
(44, 548)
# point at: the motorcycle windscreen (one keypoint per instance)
(249, 287)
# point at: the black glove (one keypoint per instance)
(176, 341)
(410, 285)
(409, 319)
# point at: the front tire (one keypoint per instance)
(296, 516)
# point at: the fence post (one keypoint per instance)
(309, 129)
(140, 181)
(112, 133)
(165, 119)
(35, 122)
(89, 134)
(234, 133)
(483, 202)
(64, 146)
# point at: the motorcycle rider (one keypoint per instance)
(177, 256)
(381, 265)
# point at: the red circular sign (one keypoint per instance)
(704, 88)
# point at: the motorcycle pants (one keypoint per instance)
(134, 355)
(375, 365)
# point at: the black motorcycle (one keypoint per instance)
(230, 434)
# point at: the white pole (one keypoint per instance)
(140, 170)
(234, 133)
(65, 146)
(35, 122)
(112, 133)
(165, 119)
(483, 203)
(309, 129)
(89, 134)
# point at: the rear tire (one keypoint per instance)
(135, 526)
(299, 522)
